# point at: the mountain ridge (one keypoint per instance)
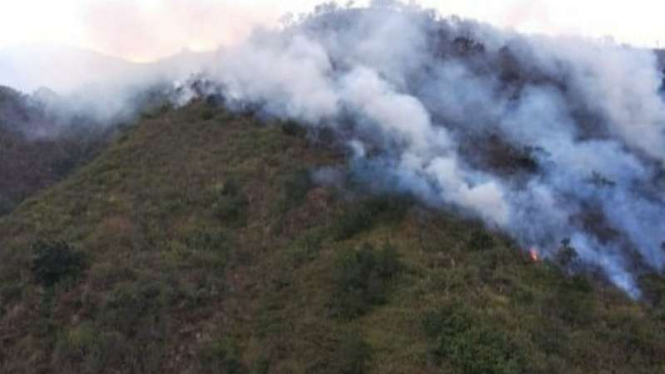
(211, 246)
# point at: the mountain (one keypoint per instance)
(207, 241)
(67, 70)
(59, 68)
(46, 135)
(367, 190)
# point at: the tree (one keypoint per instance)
(567, 255)
(54, 262)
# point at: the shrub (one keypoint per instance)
(470, 344)
(208, 240)
(365, 214)
(307, 247)
(567, 255)
(352, 355)
(137, 309)
(295, 189)
(207, 114)
(573, 301)
(362, 279)
(294, 129)
(87, 349)
(261, 366)
(480, 241)
(9, 295)
(231, 206)
(83, 349)
(220, 357)
(54, 262)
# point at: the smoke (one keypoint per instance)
(544, 138)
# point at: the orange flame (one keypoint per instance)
(535, 256)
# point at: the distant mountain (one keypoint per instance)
(57, 67)
(66, 69)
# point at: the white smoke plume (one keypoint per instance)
(543, 138)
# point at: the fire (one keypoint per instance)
(535, 256)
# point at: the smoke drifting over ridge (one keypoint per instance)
(543, 138)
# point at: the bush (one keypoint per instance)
(470, 344)
(9, 295)
(220, 357)
(481, 241)
(208, 240)
(567, 255)
(352, 355)
(137, 309)
(365, 214)
(292, 128)
(573, 301)
(362, 280)
(306, 248)
(87, 349)
(295, 189)
(55, 262)
(231, 206)
(207, 114)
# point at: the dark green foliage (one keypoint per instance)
(86, 349)
(573, 301)
(362, 280)
(362, 216)
(307, 247)
(231, 206)
(292, 128)
(470, 344)
(261, 366)
(208, 240)
(54, 262)
(137, 309)
(480, 241)
(220, 357)
(567, 255)
(352, 355)
(207, 114)
(295, 189)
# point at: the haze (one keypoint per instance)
(145, 30)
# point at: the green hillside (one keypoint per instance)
(36, 151)
(198, 242)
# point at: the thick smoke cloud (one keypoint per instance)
(543, 138)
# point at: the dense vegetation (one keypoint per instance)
(199, 243)
(36, 151)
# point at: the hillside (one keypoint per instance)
(203, 241)
(36, 150)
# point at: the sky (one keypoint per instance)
(146, 30)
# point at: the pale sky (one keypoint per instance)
(143, 30)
